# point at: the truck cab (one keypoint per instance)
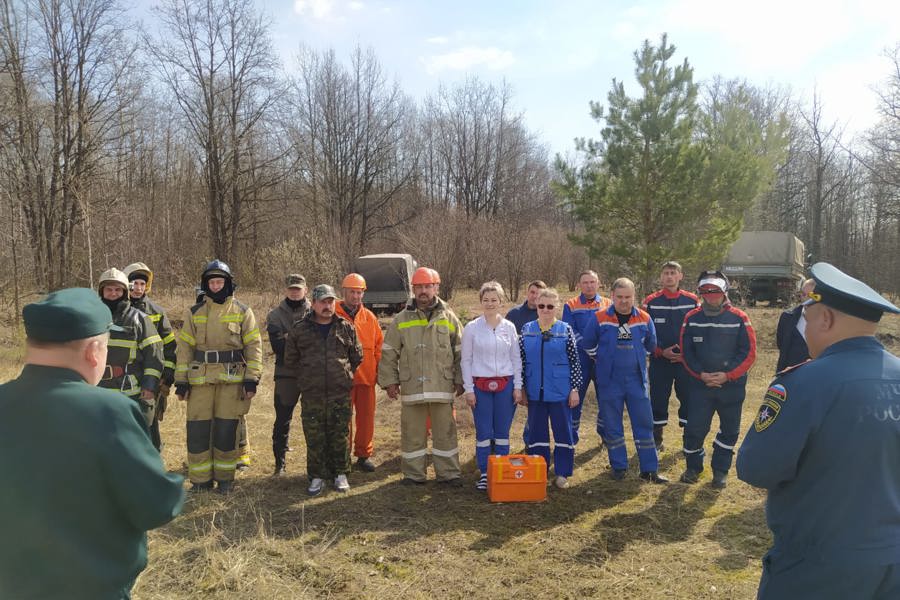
(388, 281)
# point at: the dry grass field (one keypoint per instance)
(598, 539)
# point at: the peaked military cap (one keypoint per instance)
(323, 291)
(838, 290)
(67, 315)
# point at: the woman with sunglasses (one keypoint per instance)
(492, 376)
(551, 377)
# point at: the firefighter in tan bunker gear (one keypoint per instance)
(134, 361)
(420, 364)
(217, 370)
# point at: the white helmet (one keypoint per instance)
(113, 275)
(139, 267)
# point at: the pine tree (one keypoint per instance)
(666, 180)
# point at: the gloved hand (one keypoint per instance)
(249, 389)
(182, 390)
(168, 377)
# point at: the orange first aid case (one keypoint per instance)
(517, 478)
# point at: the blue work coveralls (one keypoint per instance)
(826, 445)
(579, 314)
(621, 380)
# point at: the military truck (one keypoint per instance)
(765, 266)
(388, 277)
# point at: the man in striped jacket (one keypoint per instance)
(719, 347)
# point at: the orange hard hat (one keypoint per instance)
(354, 281)
(424, 276)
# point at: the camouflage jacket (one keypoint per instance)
(323, 366)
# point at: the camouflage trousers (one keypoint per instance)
(326, 424)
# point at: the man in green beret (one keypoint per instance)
(87, 483)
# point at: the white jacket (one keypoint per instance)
(490, 352)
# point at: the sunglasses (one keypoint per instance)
(710, 292)
(546, 306)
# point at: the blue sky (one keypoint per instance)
(559, 55)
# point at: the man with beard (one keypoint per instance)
(420, 365)
(140, 277)
(134, 362)
(279, 321)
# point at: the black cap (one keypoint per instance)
(67, 315)
(841, 292)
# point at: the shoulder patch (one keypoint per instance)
(775, 397)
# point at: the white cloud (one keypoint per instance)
(438, 39)
(356, 5)
(317, 9)
(469, 57)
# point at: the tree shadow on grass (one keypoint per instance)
(743, 536)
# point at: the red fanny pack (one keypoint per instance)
(491, 384)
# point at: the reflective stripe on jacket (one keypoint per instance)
(227, 326)
(422, 354)
(139, 346)
(163, 328)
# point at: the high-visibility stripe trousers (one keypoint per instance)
(413, 440)
(727, 402)
(213, 418)
(493, 414)
(560, 417)
(631, 392)
(663, 375)
(363, 399)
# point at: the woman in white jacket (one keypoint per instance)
(492, 376)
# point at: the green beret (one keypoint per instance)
(66, 315)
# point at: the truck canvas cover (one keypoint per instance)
(765, 253)
(387, 277)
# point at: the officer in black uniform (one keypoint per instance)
(826, 444)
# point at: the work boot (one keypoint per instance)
(201, 487)
(690, 476)
(658, 438)
(279, 467)
(364, 464)
(618, 474)
(654, 477)
(719, 480)
(225, 487)
(408, 481)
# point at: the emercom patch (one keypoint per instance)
(768, 412)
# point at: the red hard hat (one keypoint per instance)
(354, 281)
(424, 276)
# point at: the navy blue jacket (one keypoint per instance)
(826, 444)
(792, 348)
(521, 314)
(722, 343)
(667, 311)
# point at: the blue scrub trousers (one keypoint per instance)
(493, 413)
(560, 418)
(663, 374)
(705, 401)
(628, 390)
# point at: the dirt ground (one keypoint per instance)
(598, 539)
